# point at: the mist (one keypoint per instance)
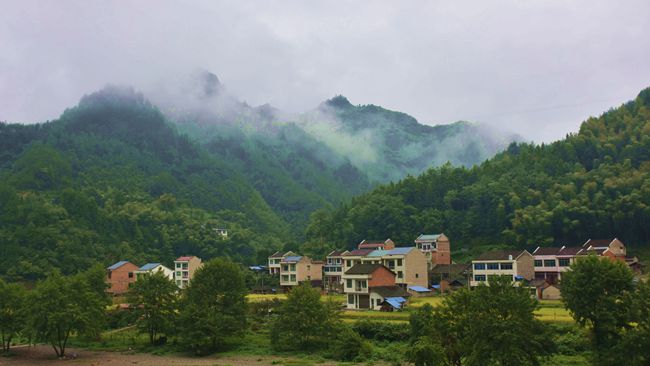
(534, 68)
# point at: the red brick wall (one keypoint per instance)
(382, 277)
(119, 279)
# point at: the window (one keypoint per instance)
(538, 262)
(130, 274)
(178, 282)
(400, 274)
(178, 265)
(399, 262)
(309, 267)
(417, 275)
(549, 262)
(308, 278)
(493, 266)
(363, 284)
(350, 299)
(479, 265)
(184, 265)
(285, 268)
(285, 278)
(292, 267)
(178, 273)
(293, 278)
(348, 263)
(506, 265)
(479, 278)
(349, 283)
(109, 275)
(564, 262)
(391, 264)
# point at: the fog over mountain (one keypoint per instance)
(535, 68)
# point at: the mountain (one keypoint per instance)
(593, 184)
(389, 145)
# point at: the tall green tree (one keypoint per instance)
(304, 321)
(12, 302)
(213, 313)
(154, 299)
(634, 348)
(62, 306)
(596, 291)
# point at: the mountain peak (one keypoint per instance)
(338, 101)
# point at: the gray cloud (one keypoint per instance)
(537, 68)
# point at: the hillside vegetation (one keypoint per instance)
(592, 184)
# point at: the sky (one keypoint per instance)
(537, 68)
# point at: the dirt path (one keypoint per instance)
(43, 355)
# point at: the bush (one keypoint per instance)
(120, 318)
(350, 346)
(382, 331)
(569, 339)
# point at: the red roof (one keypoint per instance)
(358, 252)
(547, 251)
(597, 243)
(570, 251)
(371, 245)
(184, 259)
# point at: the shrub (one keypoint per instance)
(382, 331)
(350, 346)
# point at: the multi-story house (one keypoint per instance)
(369, 285)
(274, 261)
(436, 247)
(518, 264)
(408, 263)
(377, 244)
(296, 269)
(120, 276)
(550, 262)
(184, 269)
(354, 257)
(333, 271)
(151, 268)
(612, 248)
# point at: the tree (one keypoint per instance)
(154, 300)
(213, 312)
(634, 348)
(12, 300)
(304, 321)
(489, 325)
(596, 291)
(61, 306)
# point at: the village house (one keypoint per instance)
(333, 272)
(376, 244)
(274, 261)
(436, 247)
(518, 264)
(120, 276)
(408, 263)
(447, 277)
(354, 257)
(612, 248)
(551, 262)
(184, 269)
(296, 269)
(369, 285)
(151, 268)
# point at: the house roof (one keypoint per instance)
(497, 255)
(547, 250)
(184, 258)
(371, 245)
(395, 302)
(364, 268)
(389, 291)
(428, 237)
(292, 258)
(597, 243)
(400, 251)
(571, 251)
(599, 250)
(276, 255)
(336, 253)
(377, 253)
(419, 289)
(537, 282)
(358, 252)
(148, 266)
(454, 268)
(117, 265)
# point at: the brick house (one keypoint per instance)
(366, 284)
(436, 247)
(120, 276)
(518, 264)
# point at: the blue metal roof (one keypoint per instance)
(419, 289)
(293, 258)
(117, 265)
(519, 278)
(400, 251)
(395, 302)
(148, 266)
(428, 237)
(377, 253)
(256, 268)
(437, 287)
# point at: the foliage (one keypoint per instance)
(304, 321)
(594, 183)
(213, 312)
(12, 303)
(154, 301)
(381, 331)
(348, 345)
(426, 352)
(60, 306)
(490, 325)
(634, 348)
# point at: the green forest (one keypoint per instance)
(592, 184)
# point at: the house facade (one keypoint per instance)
(333, 272)
(518, 264)
(151, 268)
(184, 269)
(436, 248)
(120, 276)
(296, 269)
(551, 262)
(361, 283)
(612, 248)
(274, 261)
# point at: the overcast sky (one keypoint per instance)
(537, 68)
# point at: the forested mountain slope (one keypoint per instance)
(594, 183)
